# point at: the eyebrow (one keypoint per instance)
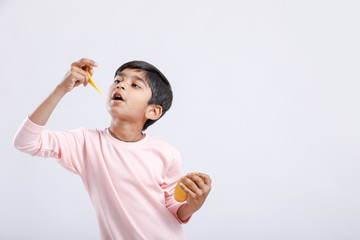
(134, 77)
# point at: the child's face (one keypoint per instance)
(128, 96)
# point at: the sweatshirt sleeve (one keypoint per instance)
(65, 146)
(172, 176)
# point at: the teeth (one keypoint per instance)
(117, 97)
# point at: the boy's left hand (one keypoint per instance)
(198, 188)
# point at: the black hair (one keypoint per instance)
(161, 93)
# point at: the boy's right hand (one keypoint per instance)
(77, 74)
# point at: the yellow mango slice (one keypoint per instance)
(92, 83)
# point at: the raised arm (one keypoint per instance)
(73, 78)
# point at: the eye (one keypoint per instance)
(116, 81)
(135, 85)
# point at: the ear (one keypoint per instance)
(153, 112)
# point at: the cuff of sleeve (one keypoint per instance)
(174, 209)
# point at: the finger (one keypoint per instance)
(76, 68)
(87, 62)
(87, 68)
(186, 190)
(83, 74)
(198, 180)
(191, 185)
(84, 64)
(79, 78)
(206, 178)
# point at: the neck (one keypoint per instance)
(125, 132)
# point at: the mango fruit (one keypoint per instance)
(179, 194)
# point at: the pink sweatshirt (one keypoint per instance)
(131, 185)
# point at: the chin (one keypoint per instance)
(114, 113)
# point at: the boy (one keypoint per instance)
(130, 176)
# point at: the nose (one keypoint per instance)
(120, 85)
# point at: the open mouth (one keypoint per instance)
(117, 97)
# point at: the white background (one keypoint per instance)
(266, 102)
